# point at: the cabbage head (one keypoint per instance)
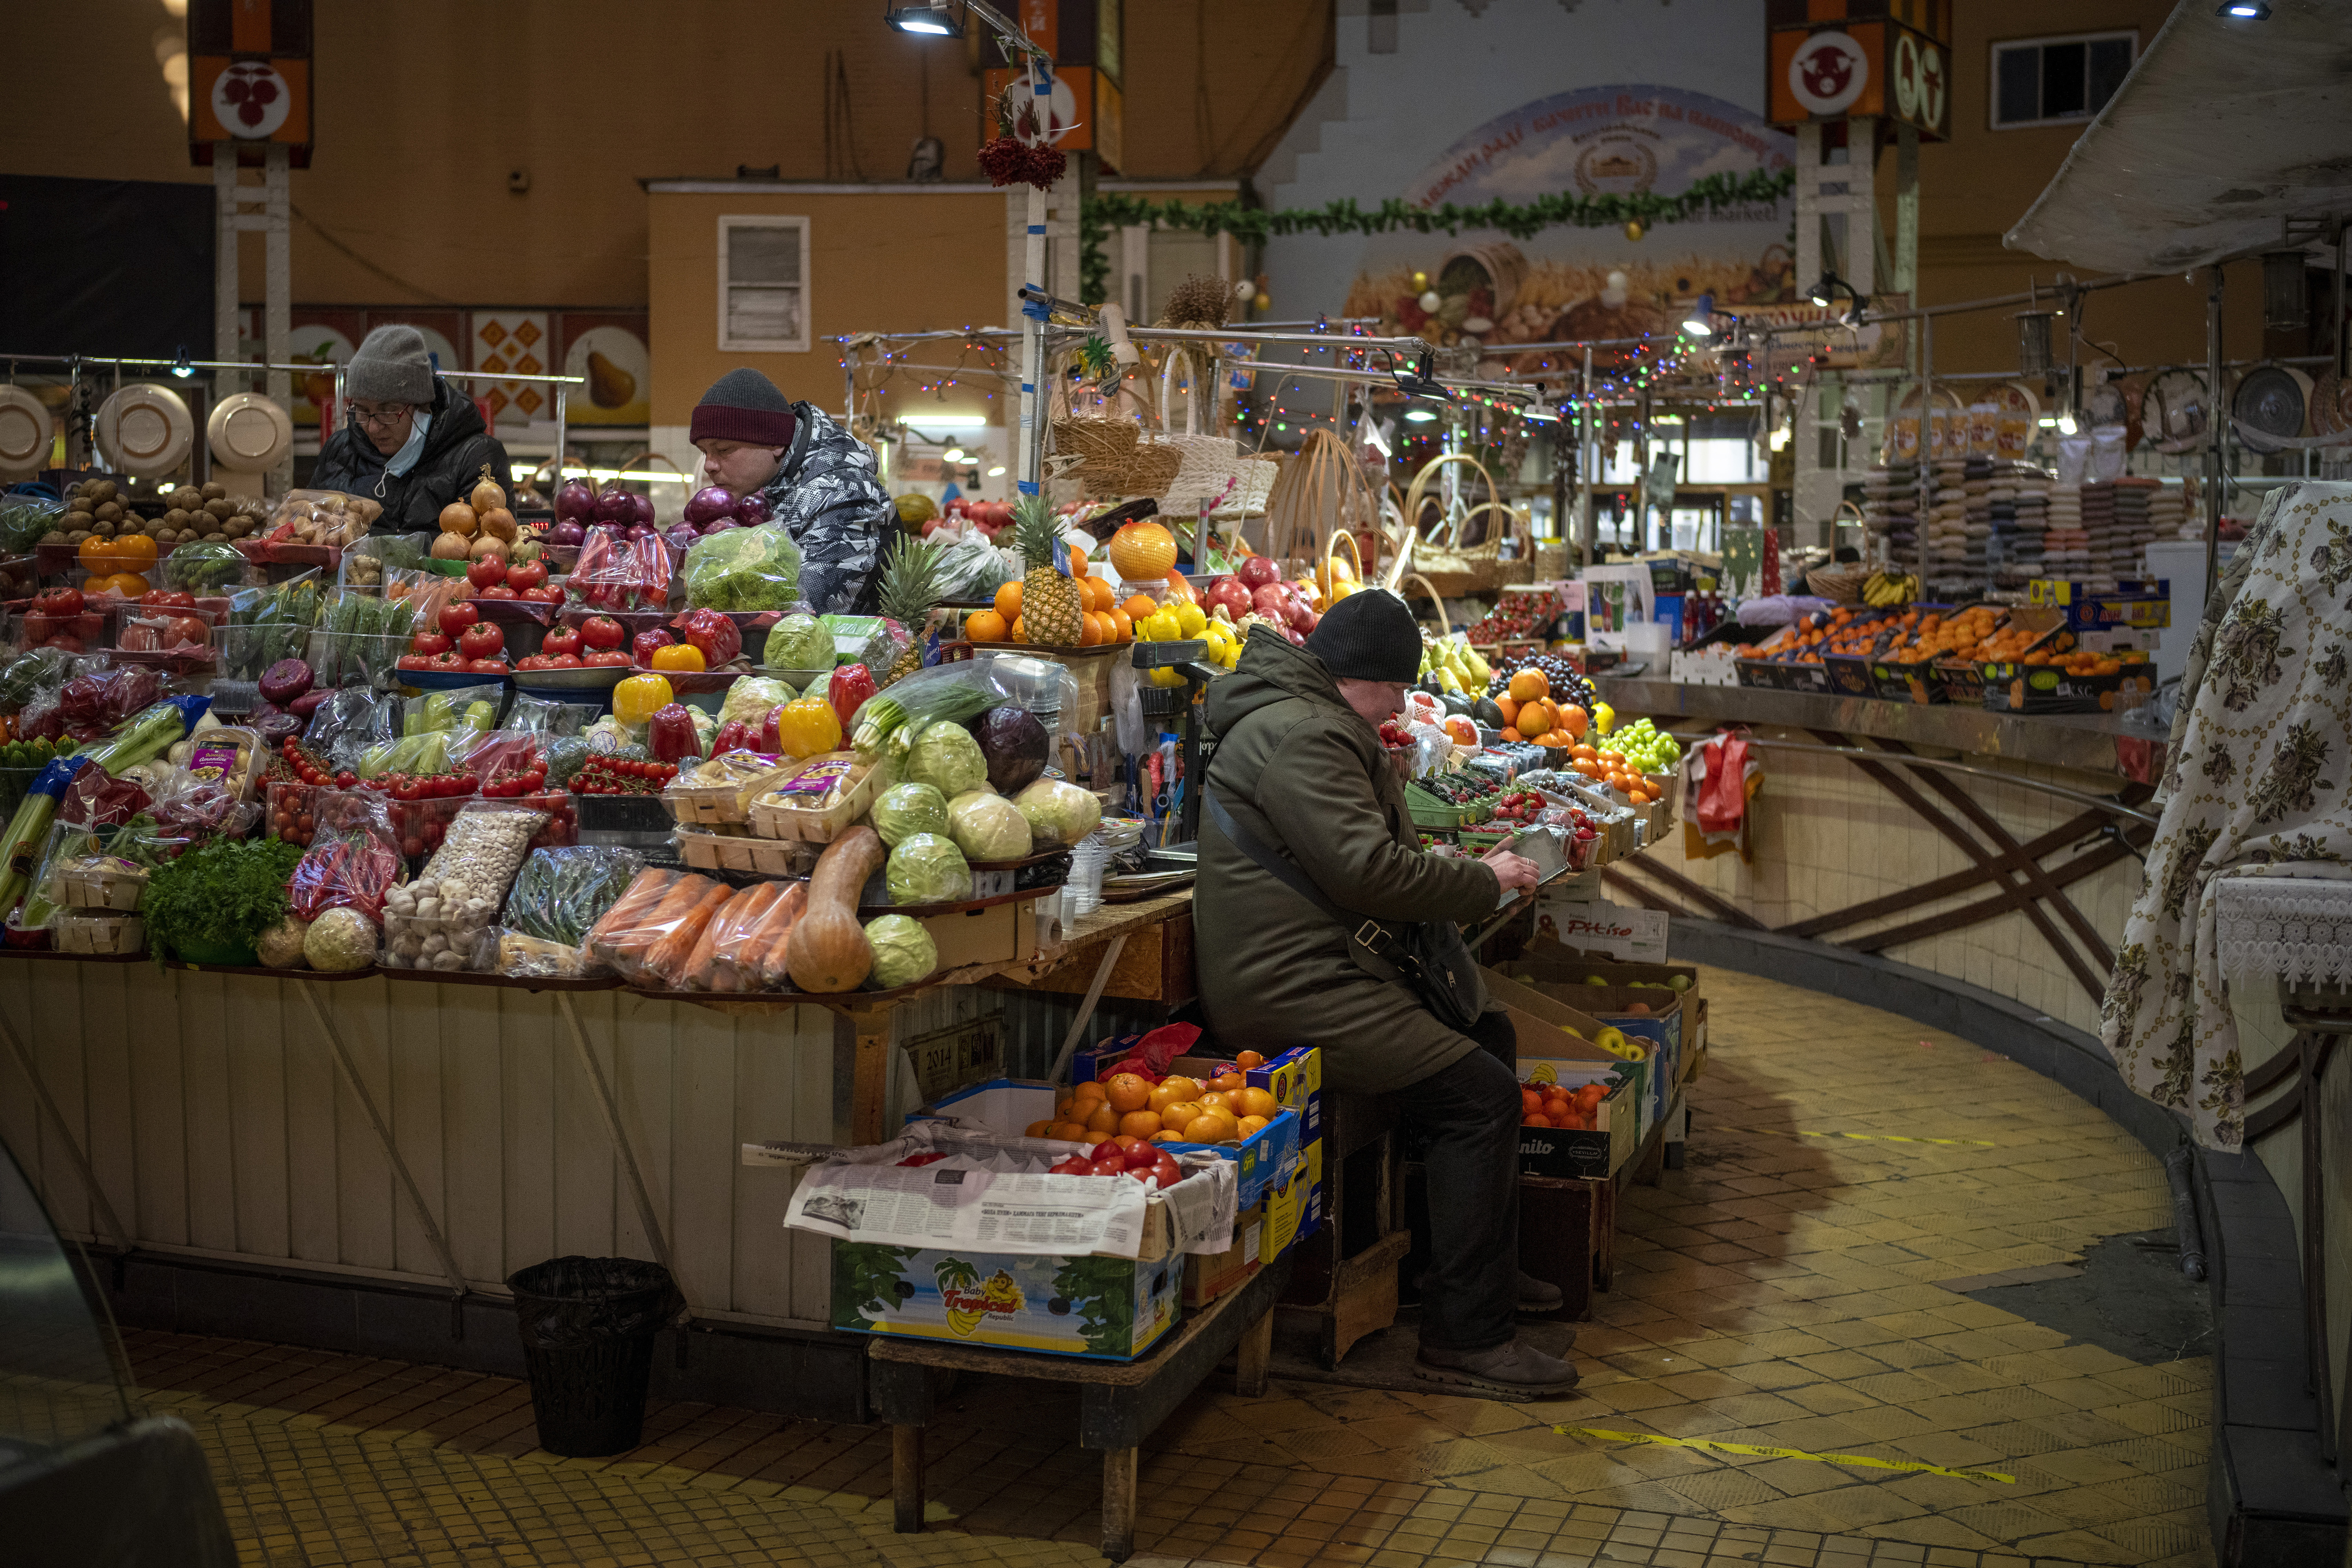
(751, 697)
(987, 826)
(907, 809)
(743, 569)
(946, 757)
(927, 869)
(903, 951)
(797, 642)
(1058, 812)
(340, 939)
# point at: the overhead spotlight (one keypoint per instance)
(2066, 426)
(1419, 415)
(1700, 323)
(181, 367)
(995, 472)
(1421, 381)
(2245, 10)
(1825, 292)
(952, 455)
(927, 21)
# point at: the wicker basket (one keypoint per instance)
(84, 930)
(1838, 585)
(99, 884)
(773, 816)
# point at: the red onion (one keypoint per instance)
(309, 702)
(274, 723)
(614, 504)
(721, 526)
(709, 504)
(752, 510)
(284, 681)
(641, 510)
(576, 501)
(680, 535)
(567, 532)
(639, 531)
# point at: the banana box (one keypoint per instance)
(1209, 1276)
(1102, 1309)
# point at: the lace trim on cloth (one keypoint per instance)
(2295, 927)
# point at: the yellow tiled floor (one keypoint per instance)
(1779, 1293)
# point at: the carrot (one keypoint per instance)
(726, 939)
(778, 933)
(633, 944)
(668, 956)
(641, 894)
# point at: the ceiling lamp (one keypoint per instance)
(935, 21)
(2244, 10)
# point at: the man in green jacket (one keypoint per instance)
(1300, 773)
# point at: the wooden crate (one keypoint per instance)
(81, 931)
(760, 857)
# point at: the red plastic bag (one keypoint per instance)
(1723, 799)
(353, 860)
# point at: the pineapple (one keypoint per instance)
(908, 591)
(1051, 608)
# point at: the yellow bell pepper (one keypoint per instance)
(807, 725)
(637, 700)
(678, 656)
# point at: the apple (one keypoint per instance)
(479, 641)
(489, 569)
(456, 615)
(1257, 571)
(562, 639)
(602, 632)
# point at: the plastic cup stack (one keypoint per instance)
(1083, 891)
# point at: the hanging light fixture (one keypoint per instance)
(932, 21)
(1700, 322)
(2285, 307)
(181, 367)
(2033, 341)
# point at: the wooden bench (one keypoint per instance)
(1347, 1271)
(1120, 1404)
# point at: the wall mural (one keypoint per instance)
(1581, 279)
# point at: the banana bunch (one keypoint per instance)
(1887, 589)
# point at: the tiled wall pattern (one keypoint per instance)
(1827, 837)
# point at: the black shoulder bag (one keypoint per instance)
(1428, 957)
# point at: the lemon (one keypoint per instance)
(1191, 621)
(1163, 677)
(1160, 625)
(1604, 718)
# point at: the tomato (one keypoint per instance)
(456, 615)
(528, 574)
(480, 640)
(488, 570)
(605, 659)
(596, 631)
(498, 591)
(187, 631)
(140, 638)
(543, 594)
(534, 661)
(489, 666)
(169, 599)
(428, 644)
(562, 639)
(564, 661)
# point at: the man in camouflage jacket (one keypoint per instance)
(819, 480)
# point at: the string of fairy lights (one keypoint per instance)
(1627, 378)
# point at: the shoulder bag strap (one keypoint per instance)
(1371, 934)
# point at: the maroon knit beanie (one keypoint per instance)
(743, 405)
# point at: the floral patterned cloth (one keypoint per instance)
(2255, 785)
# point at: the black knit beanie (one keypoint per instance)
(1371, 635)
(743, 405)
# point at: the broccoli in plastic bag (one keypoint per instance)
(743, 569)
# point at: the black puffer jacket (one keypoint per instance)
(828, 497)
(456, 445)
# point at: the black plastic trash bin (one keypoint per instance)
(588, 1327)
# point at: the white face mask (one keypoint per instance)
(400, 462)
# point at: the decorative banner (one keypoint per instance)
(609, 349)
(515, 341)
(249, 77)
(1630, 144)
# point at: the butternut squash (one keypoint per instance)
(829, 951)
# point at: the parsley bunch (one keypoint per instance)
(226, 892)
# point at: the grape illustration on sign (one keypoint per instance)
(251, 100)
(1829, 73)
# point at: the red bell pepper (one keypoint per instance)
(671, 733)
(646, 644)
(733, 736)
(713, 632)
(852, 684)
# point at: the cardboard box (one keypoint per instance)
(1103, 1309)
(1598, 926)
(1295, 1079)
(1552, 960)
(1005, 1106)
(993, 933)
(1206, 1277)
(1262, 1157)
(1573, 1151)
(1294, 1204)
(2136, 602)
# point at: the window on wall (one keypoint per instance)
(763, 284)
(2058, 82)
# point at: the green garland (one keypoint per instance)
(1105, 211)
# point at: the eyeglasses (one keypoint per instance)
(382, 418)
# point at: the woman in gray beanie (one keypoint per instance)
(411, 440)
